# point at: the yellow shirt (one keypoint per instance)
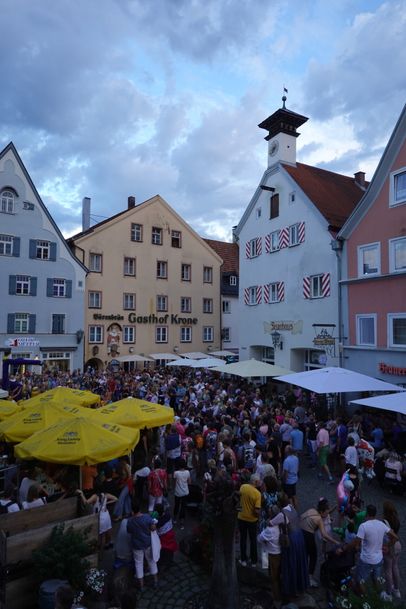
(250, 500)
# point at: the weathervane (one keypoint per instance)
(284, 98)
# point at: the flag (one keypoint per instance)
(285, 90)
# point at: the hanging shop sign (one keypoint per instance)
(388, 369)
(295, 327)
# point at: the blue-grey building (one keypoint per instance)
(42, 284)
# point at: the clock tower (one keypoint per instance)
(282, 134)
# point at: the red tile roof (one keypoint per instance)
(334, 195)
(228, 252)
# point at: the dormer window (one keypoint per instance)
(274, 206)
(233, 280)
(7, 202)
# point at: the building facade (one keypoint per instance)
(374, 270)
(288, 269)
(153, 285)
(42, 284)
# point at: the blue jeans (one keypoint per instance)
(365, 571)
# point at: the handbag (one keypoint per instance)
(155, 546)
(284, 540)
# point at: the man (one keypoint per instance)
(250, 498)
(370, 538)
(296, 438)
(351, 453)
(290, 474)
(323, 449)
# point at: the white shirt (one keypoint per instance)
(181, 476)
(269, 538)
(351, 456)
(13, 507)
(372, 532)
(33, 504)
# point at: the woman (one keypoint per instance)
(311, 521)
(270, 540)
(165, 531)
(140, 527)
(99, 501)
(33, 498)
(182, 482)
(391, 551)
(125, 484)
(269, 498)
(157, 484)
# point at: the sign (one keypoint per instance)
(98, 316)
(23, 341)
(295, 327)
(324, 339)
(133, 318)
(395, 370)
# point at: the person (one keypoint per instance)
(8, 502)
(182, 482)
(99, 501)
(250, 498)
(311, 521)
(296, 438)
(290, 474)
(351, 453)
(33, 498)
(165, 531)
(391, 552)
(269, 538)
(28, 480)
(377, 438)
(269, 498)
(323, 449)
(157, 485)
(173, 449)
(139, 527)
(370, 537)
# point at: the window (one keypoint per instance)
(161, 269)
(366, 330)
(129, 302)
(294, 235)
(207, 274)
(7, 202)
(95, 263)
(156, 235)
(253, 248)
(316, 290)
(207, 305)
(397, 255)
(129, 334)
(226, 335)
(161, 334)
(176, 238)
(21, 323)
(6, 245)
(252, 295)
(208, 333)
(58, 323)
(185, 304)
(226, 306)
(95, 300)
(397, 329)
(186, 335)
(273, 292)
(258, 212)
(292, 197)
(23, 284)
(186, 272)
(129, 266)
(274, 241)
(274, 206)
(95, 334)
(397, 193)
(268, 355)
(136, 232)
(59, 288)
(43, 250)
(369, 259)
(161, 303)
(233, 280)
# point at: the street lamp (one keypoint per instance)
(276, 340)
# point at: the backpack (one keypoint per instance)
(211, 442)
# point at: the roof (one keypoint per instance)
(334, 195)
(283, 121)
(228, 252)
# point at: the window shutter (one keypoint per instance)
(32, 324)
(12, 284)
(301, 232)
(16, 246)
(259, 246)
(281, 291)
(52, 251)
(33, 248)
(267, 244)
(258, 295)
(246, 296)
(266, 293)
(306, 287)
(33, 286)
(50, 287)
(10, 323)
(248, 249)
(68, 284)
(284, 237)
(325, 285)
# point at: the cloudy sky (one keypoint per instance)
(107, 98)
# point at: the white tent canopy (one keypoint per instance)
(222, 353)
(194, 355)
(336, 380)
(167, 356)
(207, 362)
(181, 362)
(251, 367)
(395, 402)
(133, 357)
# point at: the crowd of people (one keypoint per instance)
(258, 438)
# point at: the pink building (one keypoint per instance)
(373, 269)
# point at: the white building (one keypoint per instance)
(288, 267)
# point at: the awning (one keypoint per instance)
(194, 355)
(223, 353)
(133, 357)
(395, 402)
(167, 356)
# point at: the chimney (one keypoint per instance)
(131, 202)
(86, 213)
(359, 178)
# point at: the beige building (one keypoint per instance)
(153, 285)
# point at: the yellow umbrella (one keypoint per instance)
(23, 424)
(8, 408)
(63, 395)
(137, 413)
(79, 441)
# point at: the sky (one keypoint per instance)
(111, 98)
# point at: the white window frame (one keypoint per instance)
(186, 272)
(391, 317)
(96, 334)
(253, 244)
(96, 296)
(7, 202)
(360, 256)
(59, 288)
(208, 334)
(129, 301)
(392, 257)
(161, 303)
(185, 334)
(393, 201)
(252, 295)
(233, 280)
(208, 305)
(42, 249)
(207, 274)
(185, 304)
(21, 323)
(136, 232)
(157, 235)
(95, 262)
(162, 269)
(274, 236)
(273, 292)
(358, 318)
(319, 293)
(129, 334)
(23, 285)
(6, 245)
(161, 334)
(226, 335)
(129, 267)
(294, 234)
(226, 307)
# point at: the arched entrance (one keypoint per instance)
(94, 363)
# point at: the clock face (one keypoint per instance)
(274, 147)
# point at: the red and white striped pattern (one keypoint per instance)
(259, 246)
(259, 294)
(284, 237)
(281, 291)
(325, 285)
(267, 244)
(257, 249)
(306, 287)
(266, 293)
(246, 296)
(301, 232)
(248, 249)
